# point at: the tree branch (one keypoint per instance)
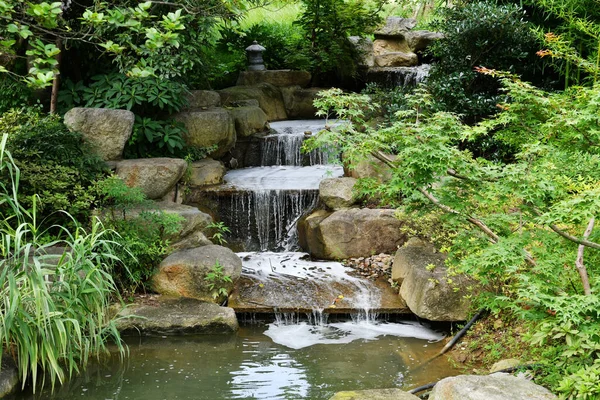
(579, 261)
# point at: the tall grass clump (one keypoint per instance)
(54, 297)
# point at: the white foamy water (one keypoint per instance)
(300, 127)
(291, 280)
(281, 177)
(303, 334)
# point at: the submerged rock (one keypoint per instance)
(489, 387)
(9, 377)
(154, 176)
(105, 129)
(184, 273)
(165, 315)
(337, 193)
(374, 394)
(351, 233)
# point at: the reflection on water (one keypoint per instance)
(251, 366)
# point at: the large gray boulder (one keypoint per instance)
(207, 128)
(206, 172)
(370, 168)
(198, 99)
(350, 233)
(364, 48)
(429, 291)
(184, 273)
(249, 120)
(396, 26)
(374, 394)
(415, 253)
(299, 102)
(164, 316)
(9, 377)
(397, 59)
(154, 176)
(268, 96)
(489, 387)
(278, 77)
(105, 129)
(420, 40)
(337, 193)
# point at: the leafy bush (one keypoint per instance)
(479, 34)
(327, 24)
(149, 98)
(55, 163)
(281, 41)
(54, 310)
(143, 232)
(15, 94)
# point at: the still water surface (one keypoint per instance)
(251, 365)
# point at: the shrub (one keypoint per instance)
(53, 310)
(143, 232)
(55, 163)
(479, 34)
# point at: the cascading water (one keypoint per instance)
(262, 205)
(285, 145)
(398, 76)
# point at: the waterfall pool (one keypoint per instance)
(250, 365)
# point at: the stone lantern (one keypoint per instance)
(254, 54)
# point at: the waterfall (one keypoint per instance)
(398, 76)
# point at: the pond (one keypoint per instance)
(251, 365)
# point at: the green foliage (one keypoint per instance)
(515, 225)
(144, 233)
(281, 41)
(220, 230)
(327, 24)
(143, 96)
(215, 279)
(147, 97)
(479, 34)
(55, 163)
(54, 309)
(15, 94)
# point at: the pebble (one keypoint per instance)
(373, 267)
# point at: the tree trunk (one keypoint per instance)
(56, 81)
(579, 261)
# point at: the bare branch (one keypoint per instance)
(579, 261)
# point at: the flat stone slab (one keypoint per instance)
(289, 282)
(374, 394)
(175, 316)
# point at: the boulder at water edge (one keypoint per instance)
(374, 394)
(105, 129)
(299, 102)
(207, 172)
(350, 233)
(396, 26)
(9, 377)
(337, 193)
(489, 387)
(364, 49)
(268, 96)
(212, 127)
(181, 315)
(416, 253)
(427, 288)
(370, 168)
(184, 273)
(154, 176)
(249, 120)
